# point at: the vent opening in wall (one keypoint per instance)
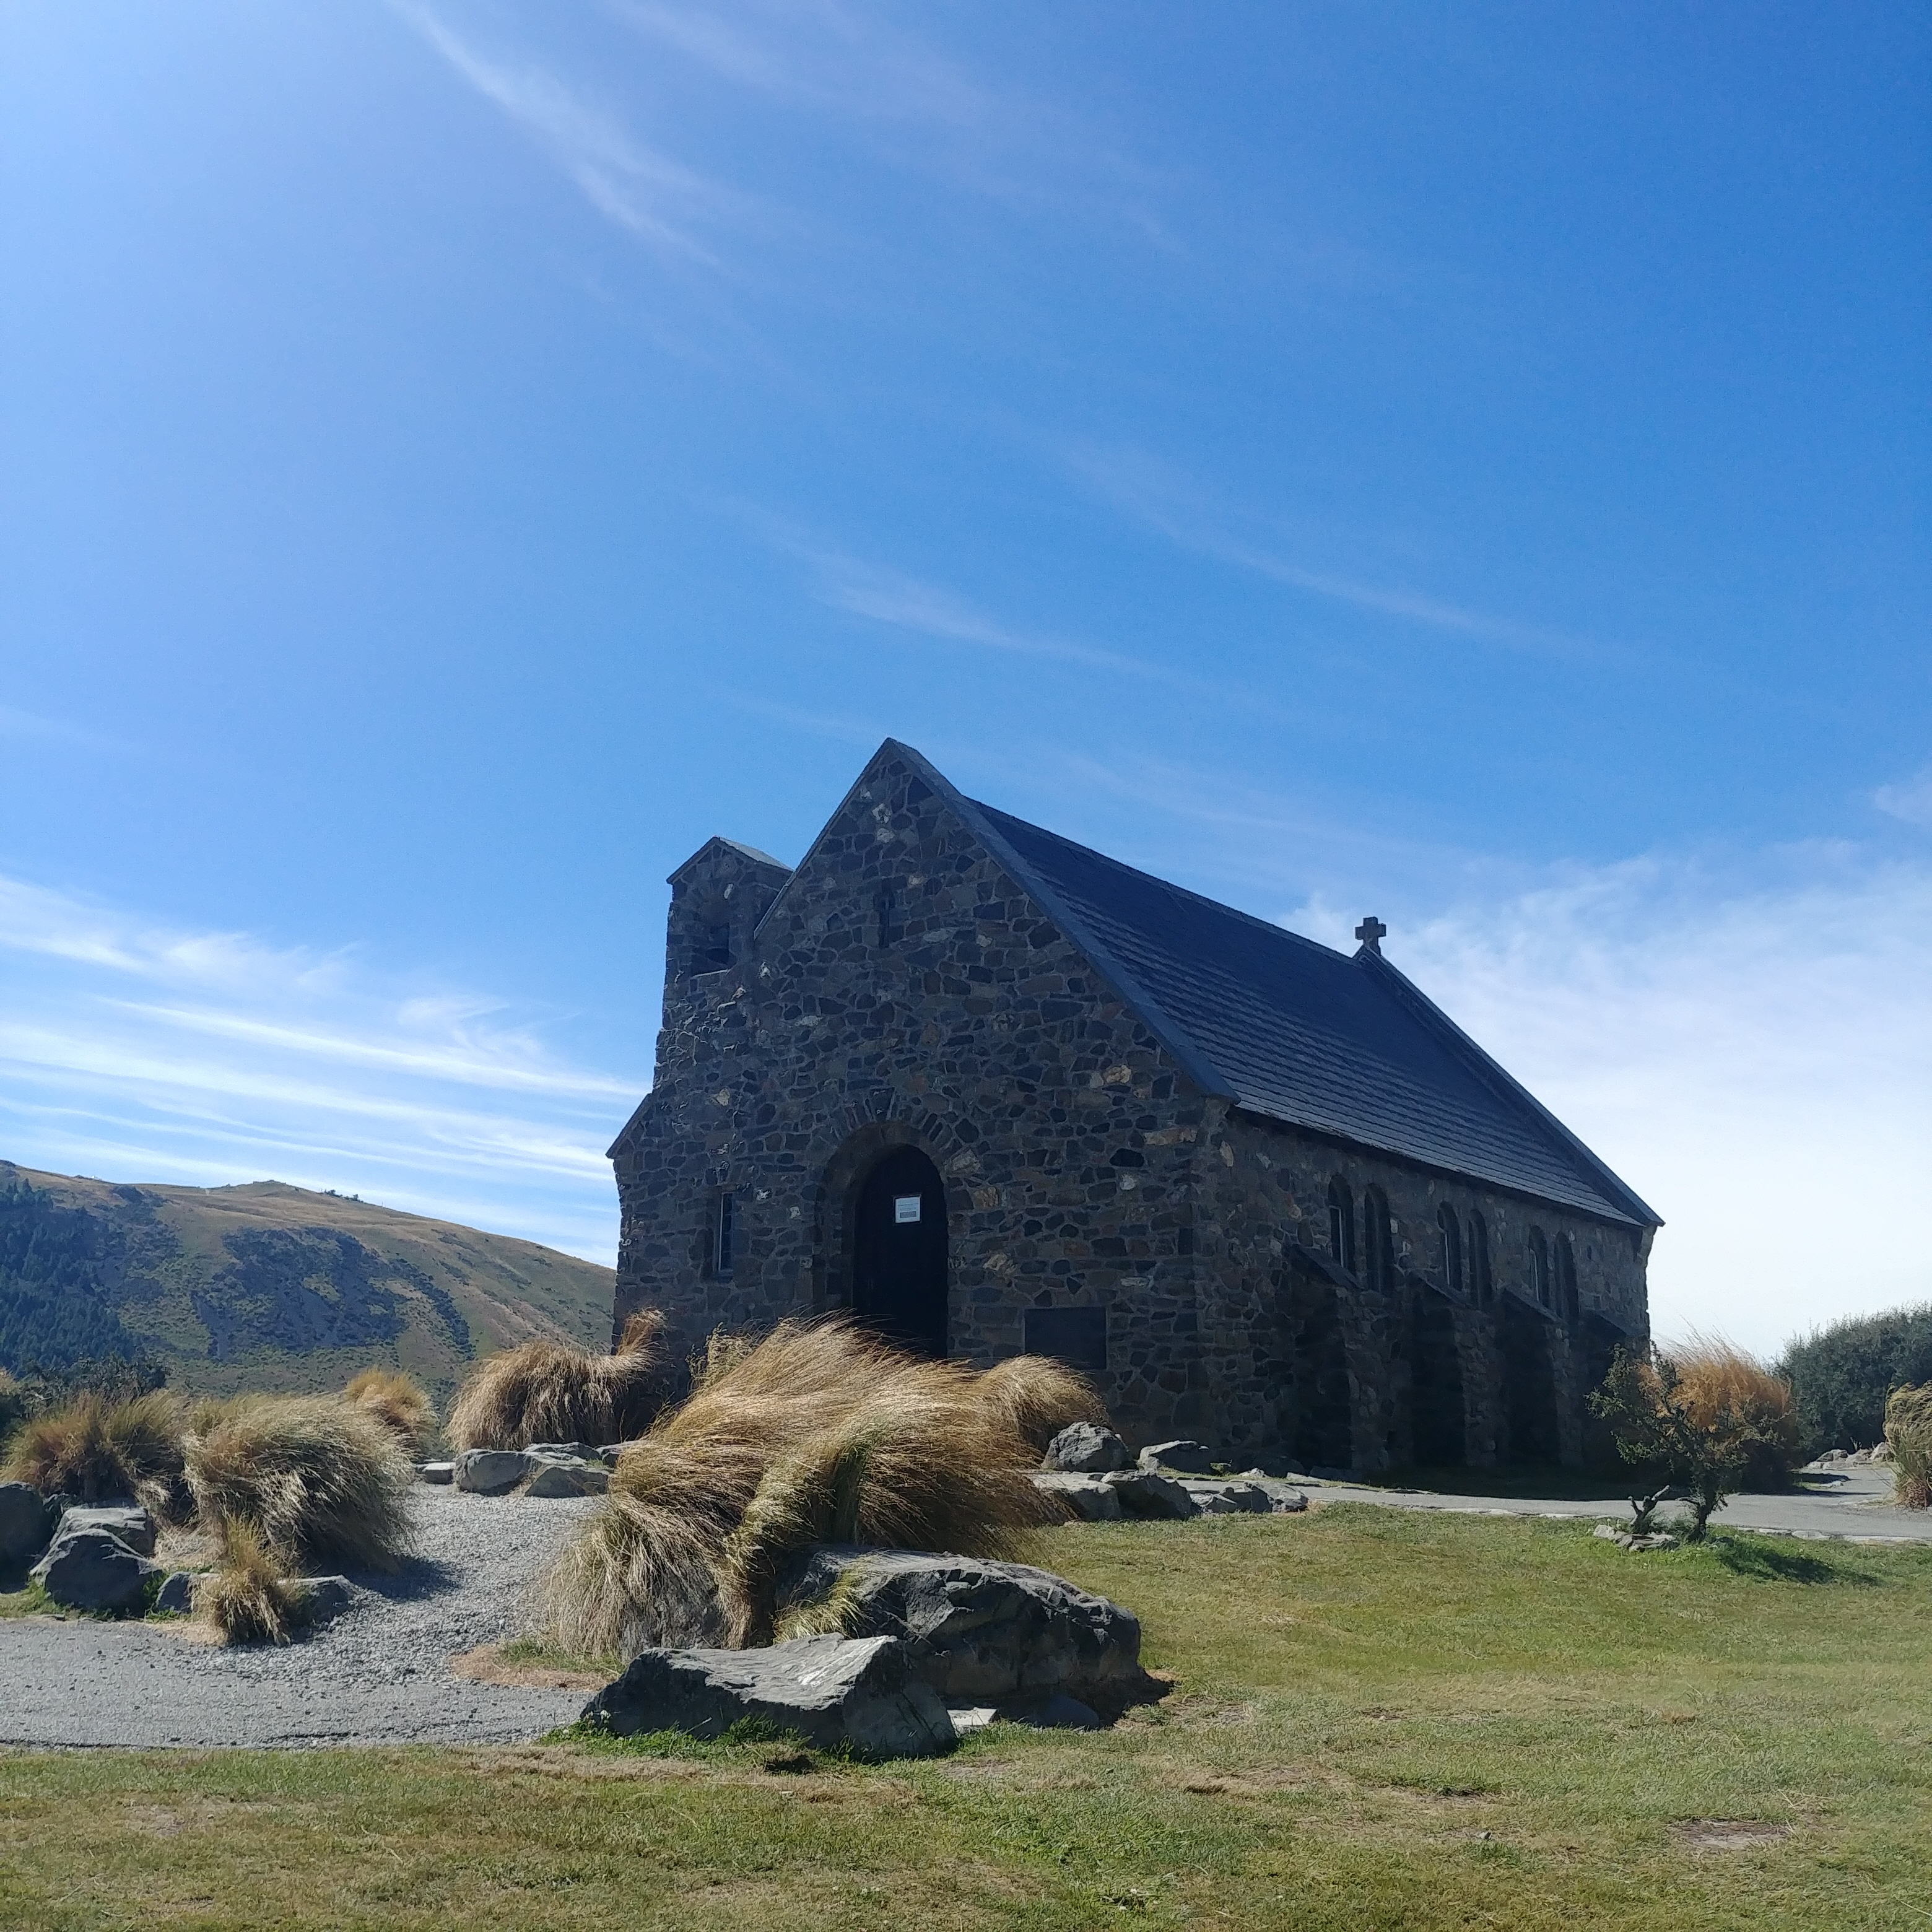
(724, 1236)
(1077, 1336)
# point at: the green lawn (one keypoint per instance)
(1380, 1719)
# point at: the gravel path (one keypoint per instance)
(379, 1674)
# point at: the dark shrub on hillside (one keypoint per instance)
(1841, 1375)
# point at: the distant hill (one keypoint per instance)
(267, 1286)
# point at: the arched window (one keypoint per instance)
(1378, 1240)
(1341, 1225)
(1539, 1268)
(1480, 1279)
(1452, 1248)
(1566, 1279)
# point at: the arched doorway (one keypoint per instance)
(898, 1252)
(1529, 1383)
(1324, 1414)
(1436, 1368)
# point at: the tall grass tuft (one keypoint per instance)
(1715, 1378)
(816, 1434)
(98, 1450)
(245, 1601)
(317, 1479)
(1908, 1428)
(399, 1403)
(545, 1391)
(1036, 1397)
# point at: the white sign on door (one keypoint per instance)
(905, 1207)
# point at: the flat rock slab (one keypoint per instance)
(560, 1478)
(858, 1693)
(128, 1521)
(435, 1472)
(1145, 1492)
(92, 1571)
(1086, 1449)
(491, 1472)
(1187, 1458)
(566, 1452)
(1092, 1498)
(979, 1631)
(1214, 1496)
(23, 1523)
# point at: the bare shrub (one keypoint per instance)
(98, 1450)
(1715, 1378)
(818, 1433)
(319, 1480)
(1908, 1428)
(545, 1391)
(399, 1403)
(1036, 1397)
(245, 1601)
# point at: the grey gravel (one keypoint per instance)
(380, 1674)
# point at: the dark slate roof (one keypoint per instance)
(1301, 1034)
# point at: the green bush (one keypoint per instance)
(1842, 1374)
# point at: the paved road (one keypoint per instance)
(380, 1675)
(1857, 1504)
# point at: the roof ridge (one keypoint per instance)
(1272, 927)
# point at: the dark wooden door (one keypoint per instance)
(898, 1252)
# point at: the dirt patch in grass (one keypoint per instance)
(526, 1668)
(1731, 1834)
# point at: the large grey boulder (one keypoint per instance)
(23, 1523)
(1143, 1492)
(491, 1472)
(1086, 1449)
(320, 1600)
(443, 1473)
(1092, 1498)
(128, 1521)
(1182, 1458)
(566, 1452)
(91, 1570)
(976, 1631)
(555, 1476)
(831, 1691)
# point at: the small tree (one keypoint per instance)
(1704, 1449)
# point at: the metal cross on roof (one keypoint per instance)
(1371, 932)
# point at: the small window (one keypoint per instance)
(1452, 1248)
(1341, 1225)
(1378, 1240)
(715, 953)
(891, 924)
(1183, 1241)
(1539, 1268)
(724, 1236)
(1480, 1278)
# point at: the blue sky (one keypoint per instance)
(1467, 463)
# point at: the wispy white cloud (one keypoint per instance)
(659, 199)
(198, 1055)
(1159, 497)
(31, 725)
(1748, 1045)
(1911, 801)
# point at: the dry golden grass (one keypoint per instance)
(817, 1434)
(1036, 1397)
(97, 1449)
(547, 1391)
(318, 1479)
(246, 1601)
(399, 1403)
(1715, 1376)
(1908, 1428)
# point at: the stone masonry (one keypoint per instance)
(902, 989)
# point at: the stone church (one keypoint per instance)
(989, 1091)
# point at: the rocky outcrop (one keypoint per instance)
(862, 1694)
(128, 1521)
(1092, 1498)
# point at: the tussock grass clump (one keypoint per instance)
(318, 1480)
(1036, 1397)
(1908, 1428)
(98, 1450)
(545, 1391)
(246, 1600)
(1716, 1379)
(816, 1434)
(399, 1403)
